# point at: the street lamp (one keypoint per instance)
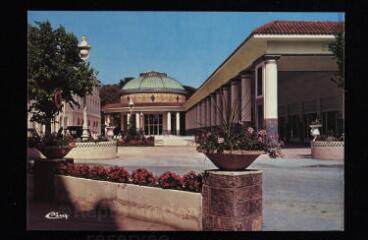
(84, 50)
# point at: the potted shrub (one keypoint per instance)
(55, 145)
(232, 146)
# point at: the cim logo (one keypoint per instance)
(56, 215)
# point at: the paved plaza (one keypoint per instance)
(299, 193)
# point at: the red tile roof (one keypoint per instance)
(299, 27)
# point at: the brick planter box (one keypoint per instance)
(179, 209)
(232, 200)
(324, 150)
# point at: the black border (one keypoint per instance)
(14, 102)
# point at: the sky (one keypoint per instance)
(188, 46)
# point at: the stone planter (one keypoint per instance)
(332, 150)
(94, 150)
(33, 153)
(179, 209)
(55, 152)
(237, 160)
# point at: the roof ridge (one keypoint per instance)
(298, 27)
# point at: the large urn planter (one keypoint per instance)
(234, 161)
(55, 152)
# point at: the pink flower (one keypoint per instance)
(250, 130)
(262, 133)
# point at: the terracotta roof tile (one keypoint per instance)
(299, 27)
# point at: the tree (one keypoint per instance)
(337, 48)
(54, 63)
(109, 94)
(190, 90)
(124, 81)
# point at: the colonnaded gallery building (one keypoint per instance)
(280, 77)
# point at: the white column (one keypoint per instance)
(235, 99)
(270, 95)
(219, 107)
(198, 116)
(213, 109)
(177, 123)
(137, 125)
(208, 111)
(168, 123)
(203, 113)
(246, 103)
(270, 99)
(128, 118)
(225, 102)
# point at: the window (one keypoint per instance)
(152, 98)
(153, 124)
(259, 82)
(260, 116)
(329, 123)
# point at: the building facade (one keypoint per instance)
(74, 117)
(278, 79)
(154, 101)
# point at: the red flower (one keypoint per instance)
(142, 176)
(192, 181)
(170, 180)
(118, 174)
(98, 172)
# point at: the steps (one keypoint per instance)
(174, 140)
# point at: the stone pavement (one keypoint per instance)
(299, 193)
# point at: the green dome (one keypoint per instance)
(153, 82)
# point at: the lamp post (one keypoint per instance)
(84, 50)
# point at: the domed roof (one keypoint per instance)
(153, 82)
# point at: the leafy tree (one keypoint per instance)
(54, 63)
(109, 93)
(190, 90)
(124, 81)
(337, 48)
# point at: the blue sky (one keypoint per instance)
(188, 46)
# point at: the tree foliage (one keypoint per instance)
(190, 90)
(337, 48)
(109, 94)
(54, 63)
(125, 81)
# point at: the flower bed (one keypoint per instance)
(150, 141)
(168, 180)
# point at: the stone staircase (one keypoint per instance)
(174, 140)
